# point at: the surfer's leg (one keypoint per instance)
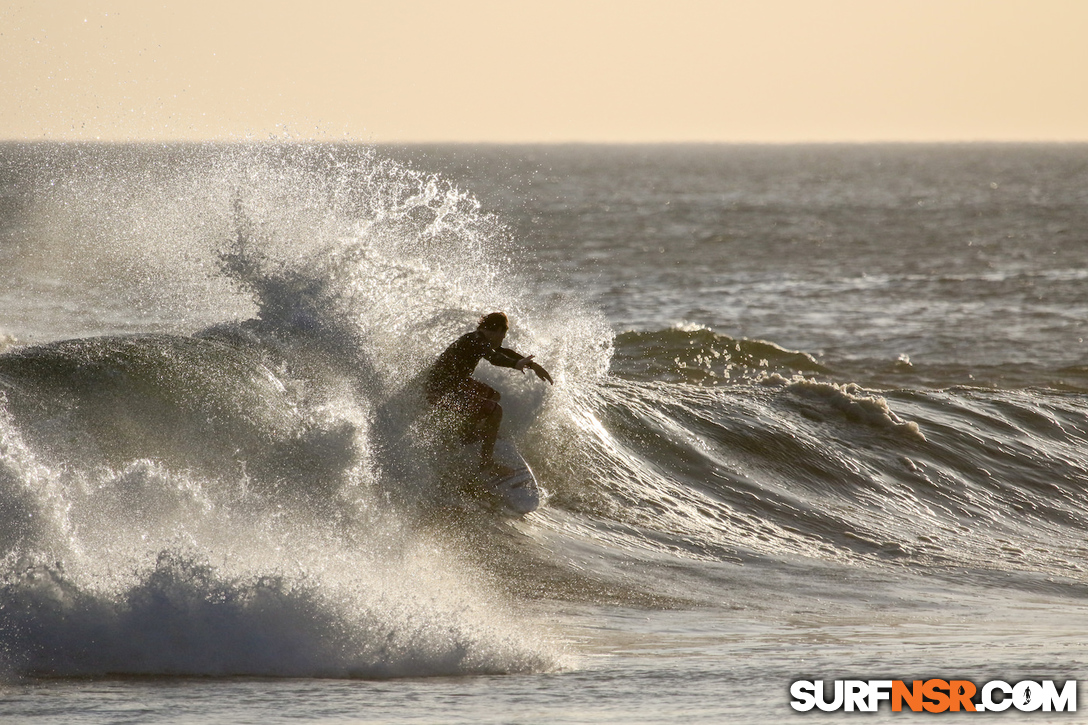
(464, 416)
(490, 431)
(482, 417)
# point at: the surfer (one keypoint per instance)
(473, 407)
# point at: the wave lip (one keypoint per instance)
(851, 401)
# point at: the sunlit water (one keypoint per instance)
(819, 413)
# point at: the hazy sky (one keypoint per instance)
(546, 70)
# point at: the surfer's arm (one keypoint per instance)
(504, 357)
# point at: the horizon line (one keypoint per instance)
(354, 141)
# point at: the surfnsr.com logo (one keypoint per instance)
(934, 696)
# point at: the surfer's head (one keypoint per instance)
(494, 327)
(495, 321)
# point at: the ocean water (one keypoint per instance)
(820, 413)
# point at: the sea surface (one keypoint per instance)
(819, 413)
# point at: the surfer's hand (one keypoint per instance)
(541, 373)
(527, 362)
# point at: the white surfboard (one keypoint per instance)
(517, 492)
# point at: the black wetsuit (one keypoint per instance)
(452, 371)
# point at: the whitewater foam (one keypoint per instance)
(184, 617)
(221, 504)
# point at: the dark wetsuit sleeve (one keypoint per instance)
(503, 357)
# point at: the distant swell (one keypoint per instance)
(703, 357)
